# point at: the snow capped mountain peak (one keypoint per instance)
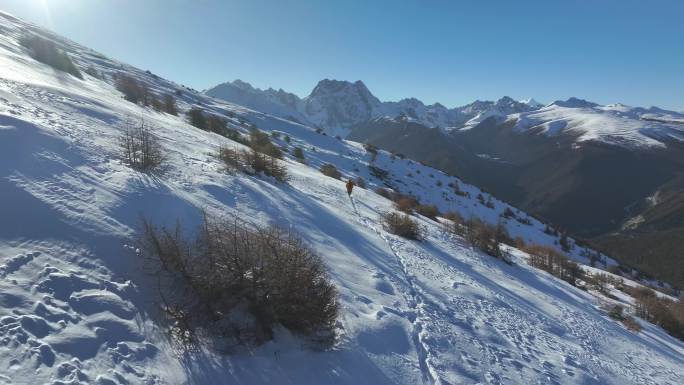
(615, 124)
(532, 102)
(506, 100)
(337, 105)
(574, 102)
(78, 303)
(333, 86)
(242, 85)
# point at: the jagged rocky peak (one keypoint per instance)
(574, 102)
(345, 90)
(241, 85)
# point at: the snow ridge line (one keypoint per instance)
(415, 303)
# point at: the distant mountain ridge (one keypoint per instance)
(337, 105)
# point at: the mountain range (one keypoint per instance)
(337, 105)
(599, 171)
(102, 163)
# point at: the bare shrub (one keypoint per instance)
(378, 172)
(360, 182)
(231, 268)
(453, 216)
(252, 162)
(402, 225)
(134, 91)
(616, 312)
(564, 242)
(217, 124)
(631, 324)
(406, 204)
(140, 148)
(298, 154)
(383, 192)
(428, 211)
(208, 122)
(508, 213)
(456, 224)
(487, 238)
(45, 51)
(550, 260)
(330, 170)
(170, 106)
(663, 312)
(261, 142)
(525, 221)
(196, 118)
(372, 150)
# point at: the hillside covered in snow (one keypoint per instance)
(77, 305)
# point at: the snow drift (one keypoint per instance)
(76, 307)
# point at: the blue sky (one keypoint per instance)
(453, 52)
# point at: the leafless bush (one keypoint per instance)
(456, 224)
(405, 203)
(140, 148)
(298, 154)
(428, 211)
(330, 170)
(550, 260)
(372, 150)
(378, 172)
(617, 313)
(169, 105)
(508, 213)
(383, 192)
(133, 90)
(631, 324)
(486, 237)
(402, 225)
(261, 142)
(236, 282)
(252, 162)
(663, 312)
(360, 182)
(45, 51)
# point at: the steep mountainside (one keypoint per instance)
(78, 307)
(590, 169)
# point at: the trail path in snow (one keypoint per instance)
(415, 302)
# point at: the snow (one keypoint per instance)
(77, 307)
(615, 124)
(339, 105)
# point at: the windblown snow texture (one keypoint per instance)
(76, 306)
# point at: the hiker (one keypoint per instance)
(350, 187)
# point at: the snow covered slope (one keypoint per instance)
(75, 306)
(632, 127)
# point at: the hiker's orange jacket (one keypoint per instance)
(350, 187)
